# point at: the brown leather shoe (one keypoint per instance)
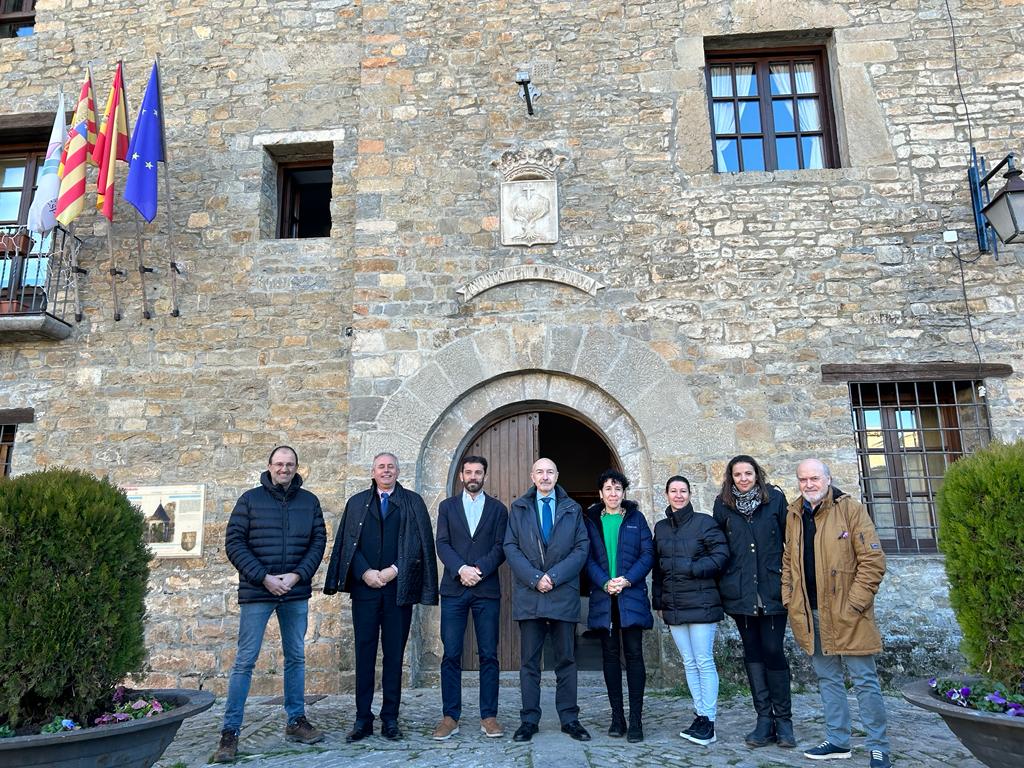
(303, 732)
(447, 728)
(489, 727)
(227, 749)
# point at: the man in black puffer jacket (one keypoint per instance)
(276, 540)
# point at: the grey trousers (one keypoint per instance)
(832, 686)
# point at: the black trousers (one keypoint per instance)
(378, 620)
(532, 633)
(763, 640)
(628, 641)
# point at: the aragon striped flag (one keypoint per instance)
(111, 144)
(77, 154)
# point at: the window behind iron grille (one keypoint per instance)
(908, 433)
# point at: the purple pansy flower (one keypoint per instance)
(996, 698)
(932, 682)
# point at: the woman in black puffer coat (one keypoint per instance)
(753, 516)
(689, 553)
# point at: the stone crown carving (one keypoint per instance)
(528, 163)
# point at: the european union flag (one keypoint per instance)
(145, 150)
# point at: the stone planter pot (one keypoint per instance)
(995, 739)
(133, 744)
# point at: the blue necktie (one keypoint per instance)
(384, 506)
(545, 518)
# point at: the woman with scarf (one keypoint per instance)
(620, 557)
(690, 552)
(753, 516)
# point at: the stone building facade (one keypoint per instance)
(683, 316)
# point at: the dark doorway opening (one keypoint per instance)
(512, 443)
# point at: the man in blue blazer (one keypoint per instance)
(470, 533)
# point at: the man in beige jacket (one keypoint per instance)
(831, 569)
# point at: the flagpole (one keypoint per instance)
(143, 269)
(69, 234)
(114, 271)
(175, 270)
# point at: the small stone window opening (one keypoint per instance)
(17, 18)
(296, 188)
(771, 109)
(305, 199)
(908, 433)
(6, 448)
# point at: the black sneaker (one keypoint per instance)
(703, 734)
(879, 759)
(697, 722)
(827, 751)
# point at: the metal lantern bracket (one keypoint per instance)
(979, 177)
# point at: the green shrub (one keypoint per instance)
(981, 533)
(73, 575)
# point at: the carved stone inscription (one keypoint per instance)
(529, 212)
(524, 272)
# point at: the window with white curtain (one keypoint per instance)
(771, 110)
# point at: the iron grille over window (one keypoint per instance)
(6, 447)
(771, 110)
(17, 17)
(908, 433)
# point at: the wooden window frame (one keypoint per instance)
(35, 154)
(24, 16)
(762, 58)
(7, 432)
(289, 200)
(904, 409)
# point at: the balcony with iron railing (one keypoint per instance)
(38, 284)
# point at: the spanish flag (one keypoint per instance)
(111, 144)
(77, 154)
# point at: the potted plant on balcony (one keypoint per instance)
(981, 533)
(73, 577)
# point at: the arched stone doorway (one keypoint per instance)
(511, 442)
(624, 388)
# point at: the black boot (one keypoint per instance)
(782, 706)
(636, 681)
(618, 727)
(636, 727)
(764, 732)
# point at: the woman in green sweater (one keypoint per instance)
(621, 555)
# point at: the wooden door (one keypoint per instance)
(510, 447)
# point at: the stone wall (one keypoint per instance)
(723, 294)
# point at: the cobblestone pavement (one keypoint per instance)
(919, 739)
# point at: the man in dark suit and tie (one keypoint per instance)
(384, 557)
(470, 534)
(546, 545)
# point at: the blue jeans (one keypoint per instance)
(454, 616)
(696, 644)
(834, 700)
(291, 618)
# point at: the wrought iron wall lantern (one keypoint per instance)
(1002, 213)
(529, 91)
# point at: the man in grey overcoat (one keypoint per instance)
(546, 547)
